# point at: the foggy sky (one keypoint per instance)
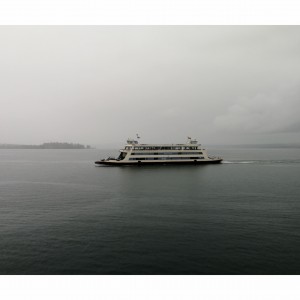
(100, 85)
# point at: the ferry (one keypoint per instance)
(134, 153)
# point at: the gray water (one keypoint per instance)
(59, 214)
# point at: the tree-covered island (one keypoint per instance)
(53, 145)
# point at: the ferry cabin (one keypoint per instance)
(134, 152)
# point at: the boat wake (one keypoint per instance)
(237, 162)
(263, 162)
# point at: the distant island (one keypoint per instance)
(54, 145)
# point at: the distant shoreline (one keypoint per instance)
(54, 145)
(57, 145)
(260, 146)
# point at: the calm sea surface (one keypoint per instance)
(59, 214)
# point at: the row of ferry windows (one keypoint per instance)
(164, 153)
(163, 148)
(165, 158)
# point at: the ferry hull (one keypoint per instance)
(144, 163)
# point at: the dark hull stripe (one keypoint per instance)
(217, 161)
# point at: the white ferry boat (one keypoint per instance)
(145, 154)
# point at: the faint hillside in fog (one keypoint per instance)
(262, 146)
(54, 145)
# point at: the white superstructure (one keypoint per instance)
(135, 153)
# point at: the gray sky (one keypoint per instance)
(100, 85)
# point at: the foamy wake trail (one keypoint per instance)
(237, 162)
